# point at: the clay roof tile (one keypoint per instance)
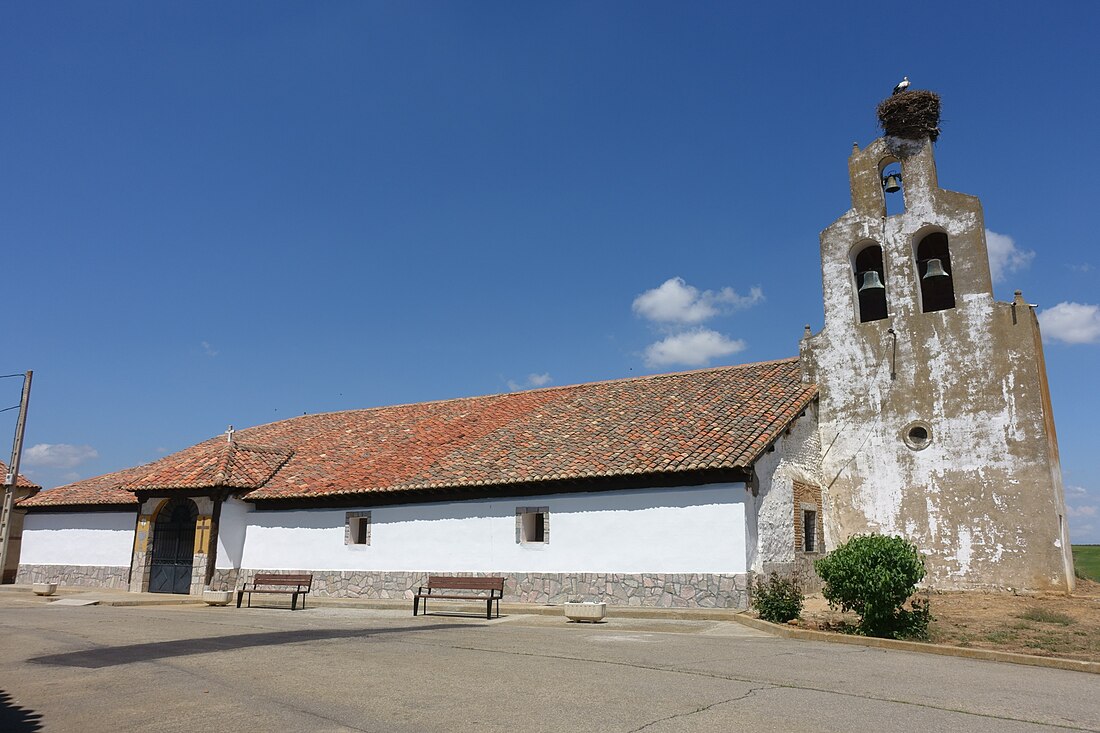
(721, 418)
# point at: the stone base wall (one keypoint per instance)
(801, 571)
(807, 576)
(142, 571)
(660, 590)
(89, 576)
(225, 579)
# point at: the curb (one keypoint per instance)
(990, 655)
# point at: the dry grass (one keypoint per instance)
(1045, 624)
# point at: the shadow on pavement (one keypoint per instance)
(16, 719)
(111, 656)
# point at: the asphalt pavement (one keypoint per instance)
(331, 668)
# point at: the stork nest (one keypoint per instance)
(913, 115)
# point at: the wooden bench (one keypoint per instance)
(477, 586)
(294, 585)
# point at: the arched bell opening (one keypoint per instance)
(173, 551)
(937, 287)
(870, 283)
(893, 190)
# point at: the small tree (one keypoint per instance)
(778, 600)
(873, 576)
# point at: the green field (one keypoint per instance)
(1086, 560)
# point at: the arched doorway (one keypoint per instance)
(173, 547)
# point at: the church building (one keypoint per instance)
(921, 409)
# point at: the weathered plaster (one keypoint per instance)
(796, 457)
(983, 500)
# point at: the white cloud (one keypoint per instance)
(538, 380)
(1071, 323)
(1083, 267)
(209, 349)
(533, 380)
(59, 455)
(691, 348)
(1083, 511)
(674, 301)
(1004, 257)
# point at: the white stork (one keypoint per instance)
(902, 85)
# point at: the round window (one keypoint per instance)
(917, 435)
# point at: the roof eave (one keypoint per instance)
(80, 507)
(769, 438)
(666, 479)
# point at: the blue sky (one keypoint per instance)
(217, 213)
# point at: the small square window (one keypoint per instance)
(357, 528)
(809, 530)
(533, 525)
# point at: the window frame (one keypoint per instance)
(357, 529)
(809, 539)
(526, 514)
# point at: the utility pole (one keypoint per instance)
(13, 475)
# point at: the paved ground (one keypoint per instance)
(191, 668)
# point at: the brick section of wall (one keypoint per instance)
(808, 496)
(661, 590)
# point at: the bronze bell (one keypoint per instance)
(934, 269)
(892, 183)
(871, 281)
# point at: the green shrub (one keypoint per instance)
(873, 576)
(778, 600)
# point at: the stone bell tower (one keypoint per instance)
(935, 416)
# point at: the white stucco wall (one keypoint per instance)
(79, 538)
(231, 533)
(796, 457)
(677, 530)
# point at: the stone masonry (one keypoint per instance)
(87, 576)
(661, 590)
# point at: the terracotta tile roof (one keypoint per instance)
(21, 481)
(230, 465)
(721, 418)
(101, 490)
